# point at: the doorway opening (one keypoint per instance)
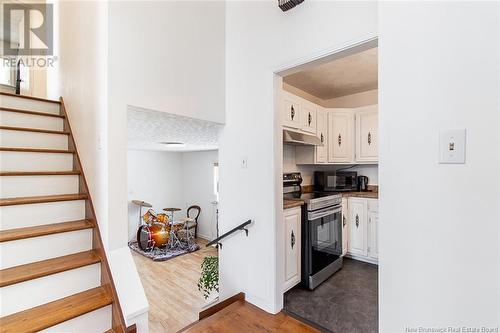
(173, 194)
(327, 112)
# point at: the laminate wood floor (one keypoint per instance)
(171, 288)
(243, 317)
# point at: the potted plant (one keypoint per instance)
(209, 279)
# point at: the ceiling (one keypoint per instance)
(147, 128)
(345, 76)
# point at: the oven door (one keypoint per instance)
(325, 237)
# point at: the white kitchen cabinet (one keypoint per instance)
(357, 229)
(373, 235)
(292, 219)
(373, 228)
(340, 136)
(345, 219)
(322, 130)
(291, 111)
(367, 134)
(308, 117)
(362, 232)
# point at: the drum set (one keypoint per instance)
(161, 230)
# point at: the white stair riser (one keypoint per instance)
(20, 161)
(97, 321)
(28, 294)
(25, 251)
(22, 139)
(28, 104)
(28, 186)
(15, 119)
(20, 216)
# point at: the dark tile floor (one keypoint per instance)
(345, 303)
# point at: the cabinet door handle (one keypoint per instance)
(369, 138)
(309, 118)
(343, 221)
(339, 139)
(322, 138)
(292, 112)
(292, 240)
(357, 221)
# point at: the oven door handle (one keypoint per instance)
(313, 216)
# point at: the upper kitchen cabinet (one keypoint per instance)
(340, 136)
(367, 134)
(308, 117)
(291, 111)
(322, 131)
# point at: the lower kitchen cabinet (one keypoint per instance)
(345, 218)
(292, 227)
(362, 231)
(357, 244)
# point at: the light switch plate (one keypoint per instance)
(452, 146)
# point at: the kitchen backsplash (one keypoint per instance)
(289, 165)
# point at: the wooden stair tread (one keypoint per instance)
(34, 113)
(42, 199)
(39, 173)
(31, 97)
(56, 312)
(43, 230)
(42, 268)
(37, 130)
(37, 150)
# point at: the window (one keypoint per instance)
(6, 73)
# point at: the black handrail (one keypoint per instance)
(240, 227)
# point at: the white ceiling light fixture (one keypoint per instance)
(173, 143)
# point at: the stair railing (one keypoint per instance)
(242, 227)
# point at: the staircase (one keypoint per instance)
(54, 276)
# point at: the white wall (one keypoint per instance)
(439, 224)
(261, 39)
(168, 179)
(155, 177)
(80, 77)
(165, 56)
(307, 171)
(198, 187)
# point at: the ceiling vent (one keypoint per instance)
(288, 4)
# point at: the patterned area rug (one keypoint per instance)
(163, 254)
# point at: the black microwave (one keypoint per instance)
(327, 181)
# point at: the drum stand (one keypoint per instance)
(173, 240)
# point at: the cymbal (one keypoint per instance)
(171, 209)
(142, 203)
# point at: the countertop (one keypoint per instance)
(291, 203)
(357, 194)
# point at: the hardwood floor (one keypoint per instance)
(171, 289)
(243, 317)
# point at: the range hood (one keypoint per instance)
(300, 139)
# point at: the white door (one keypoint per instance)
(308, 118)
(292, 247)
(340, 136)
(345, 219)
(367, 134)
(322, 129)
(373, 234)
(291, 112)
(357, 226)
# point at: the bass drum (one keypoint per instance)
(149, 237)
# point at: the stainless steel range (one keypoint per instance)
(321, 231)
